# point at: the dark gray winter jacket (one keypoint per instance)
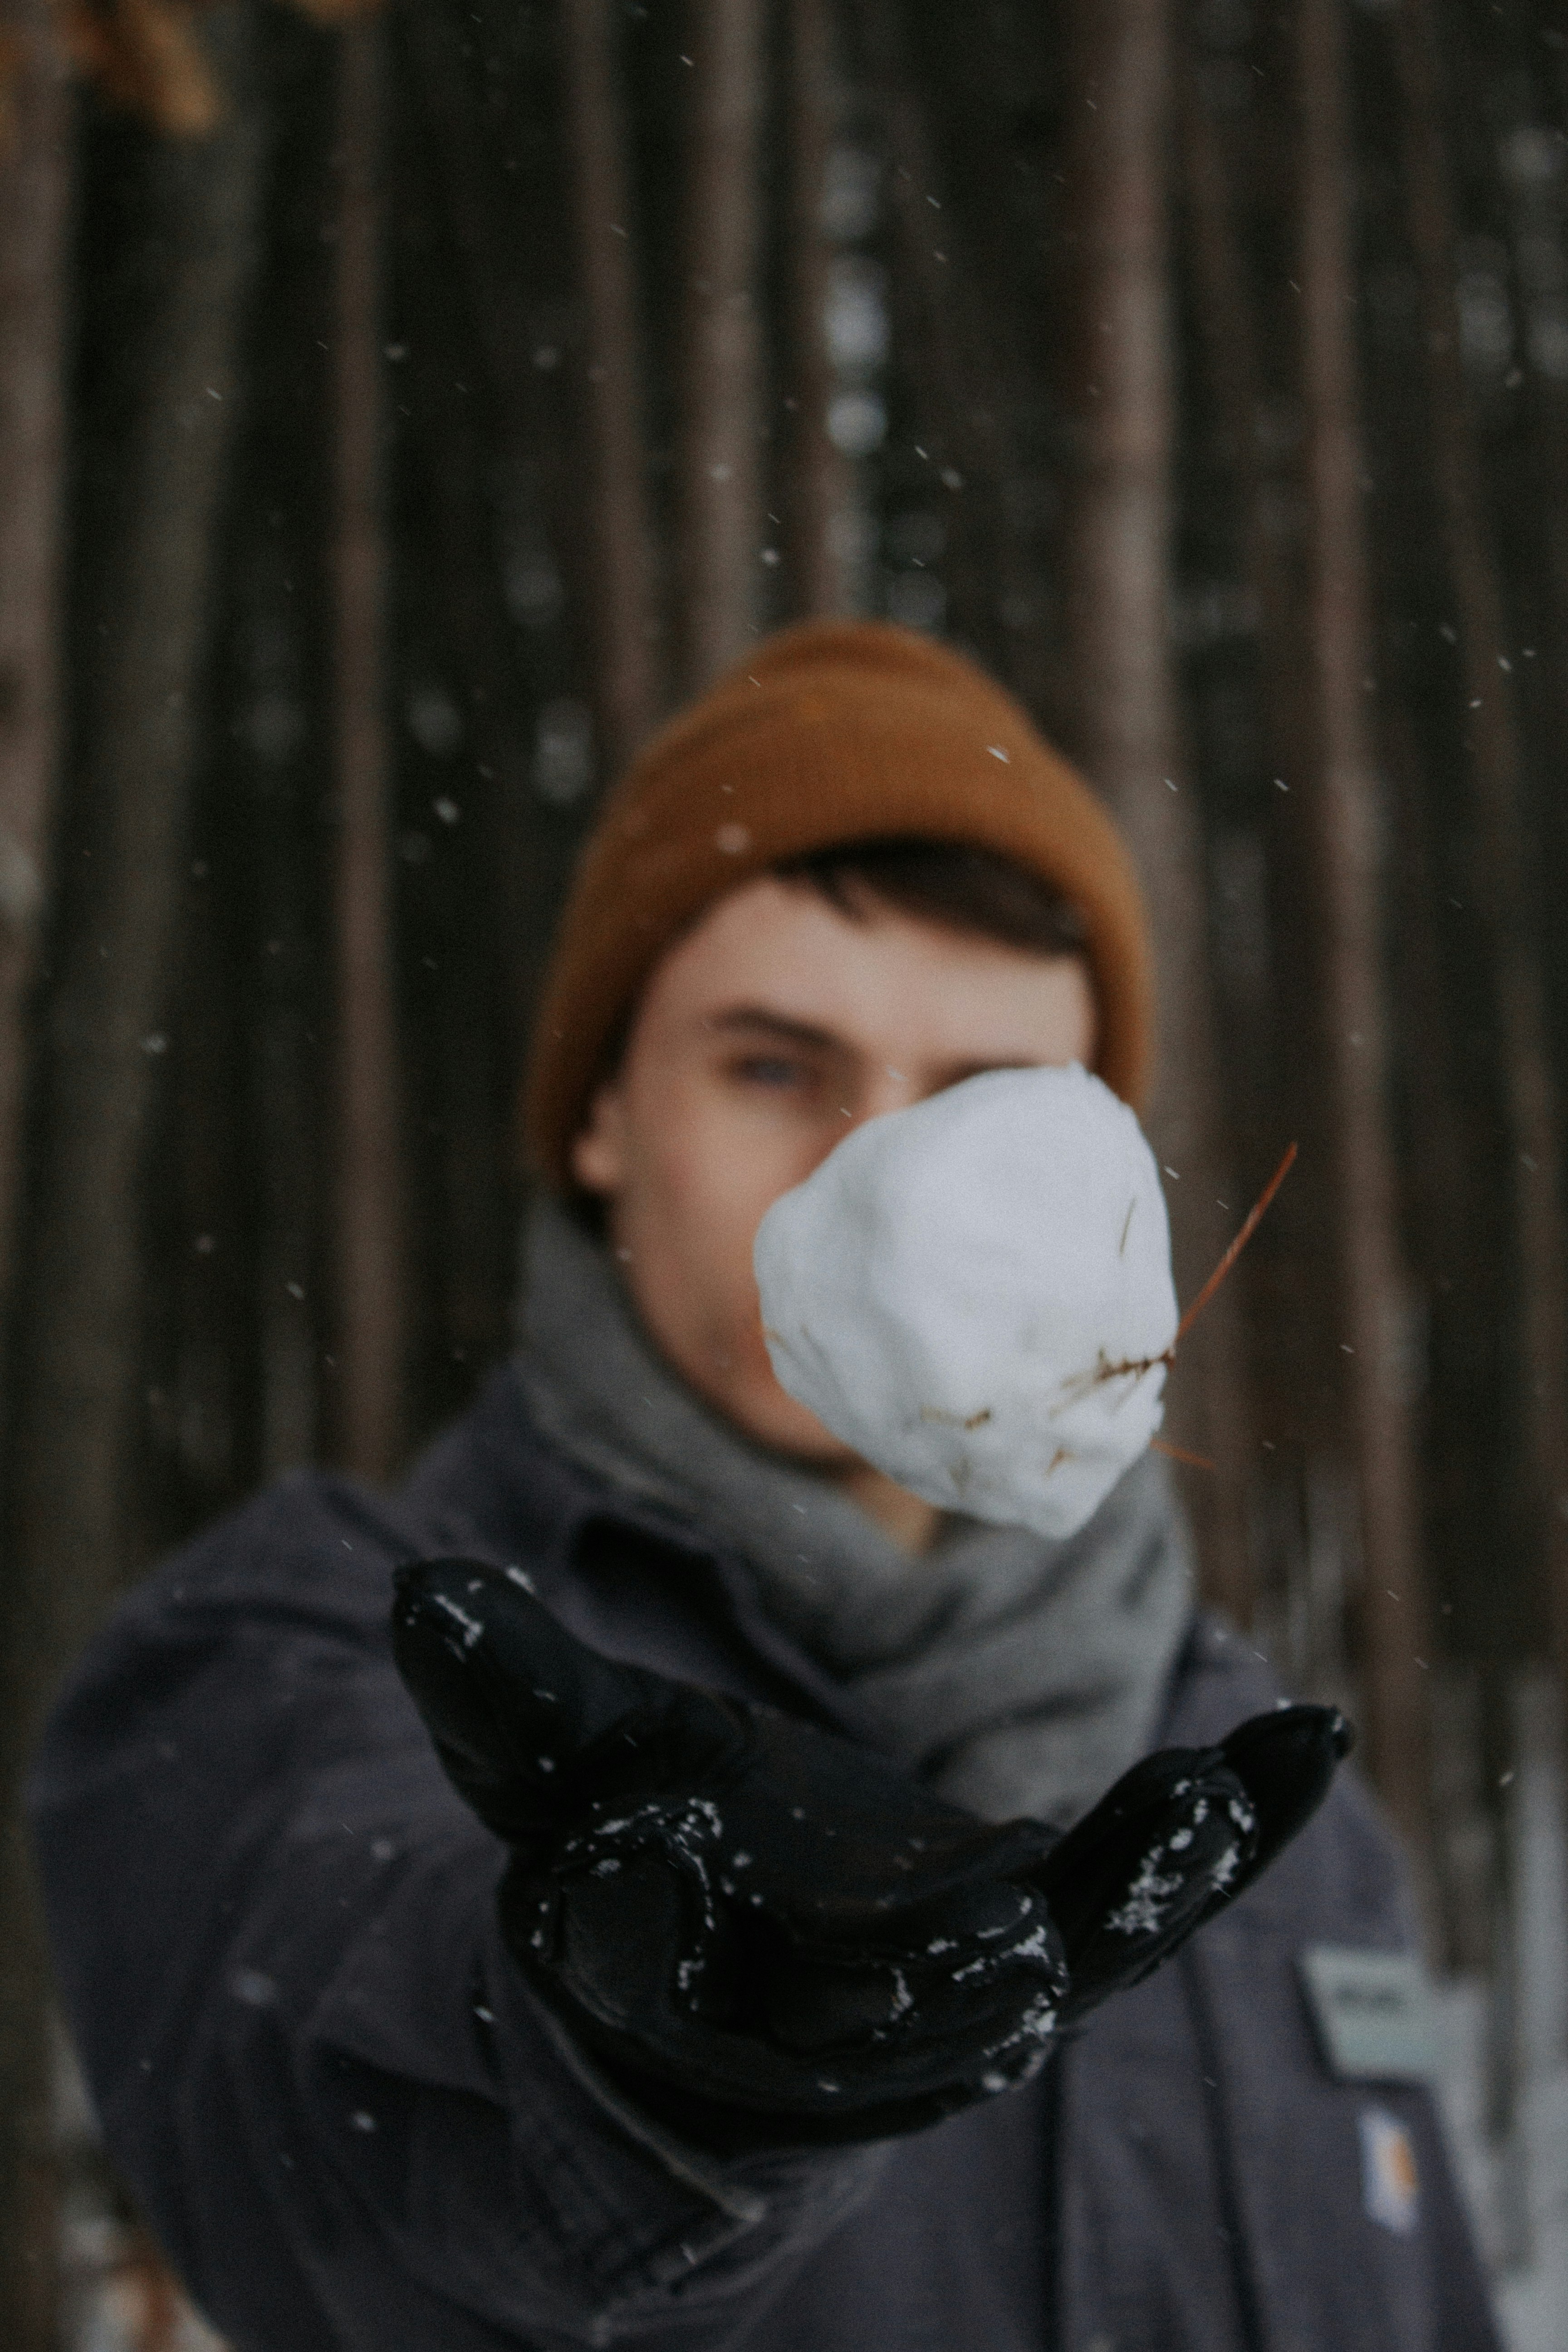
(354, 2131)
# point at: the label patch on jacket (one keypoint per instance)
(1373, 2013)
(1390, 2184)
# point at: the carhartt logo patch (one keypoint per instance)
(1373, 2012)
(1390, 2184)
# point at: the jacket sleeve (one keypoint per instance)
(275, 1936)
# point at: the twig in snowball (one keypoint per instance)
(1163, 1445)
(1134, 1367)
(1179, 1454)
(1233, 1252)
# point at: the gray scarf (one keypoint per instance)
(1016, 1675)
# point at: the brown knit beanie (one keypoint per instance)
(830, 733)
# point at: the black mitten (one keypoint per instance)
(765, 1932)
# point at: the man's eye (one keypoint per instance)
(772, 1070)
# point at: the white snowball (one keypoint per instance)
(957, 1290)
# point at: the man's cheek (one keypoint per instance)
(717, 1189)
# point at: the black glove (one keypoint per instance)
(771, 1935)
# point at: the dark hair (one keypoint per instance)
(957, 885)
(953, 884)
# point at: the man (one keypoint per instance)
(364, 2105)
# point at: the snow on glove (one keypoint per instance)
(766, 1933)
(1121, 1884)
(975, 1293)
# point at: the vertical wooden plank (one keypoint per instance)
(485, 256)
(371, 1330)
(36, 174)
(1118, 558)
(721, 474)
(1344, 804)
(625, 618)
(35, 203)
(1283, 1281)
(1503, 882)
(819, 486)
(949, 347)
(78, 1325)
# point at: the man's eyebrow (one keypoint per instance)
(954, 1074)
(757, 1016)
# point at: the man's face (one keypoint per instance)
(766, 1033)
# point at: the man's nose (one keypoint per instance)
(881, 1086)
